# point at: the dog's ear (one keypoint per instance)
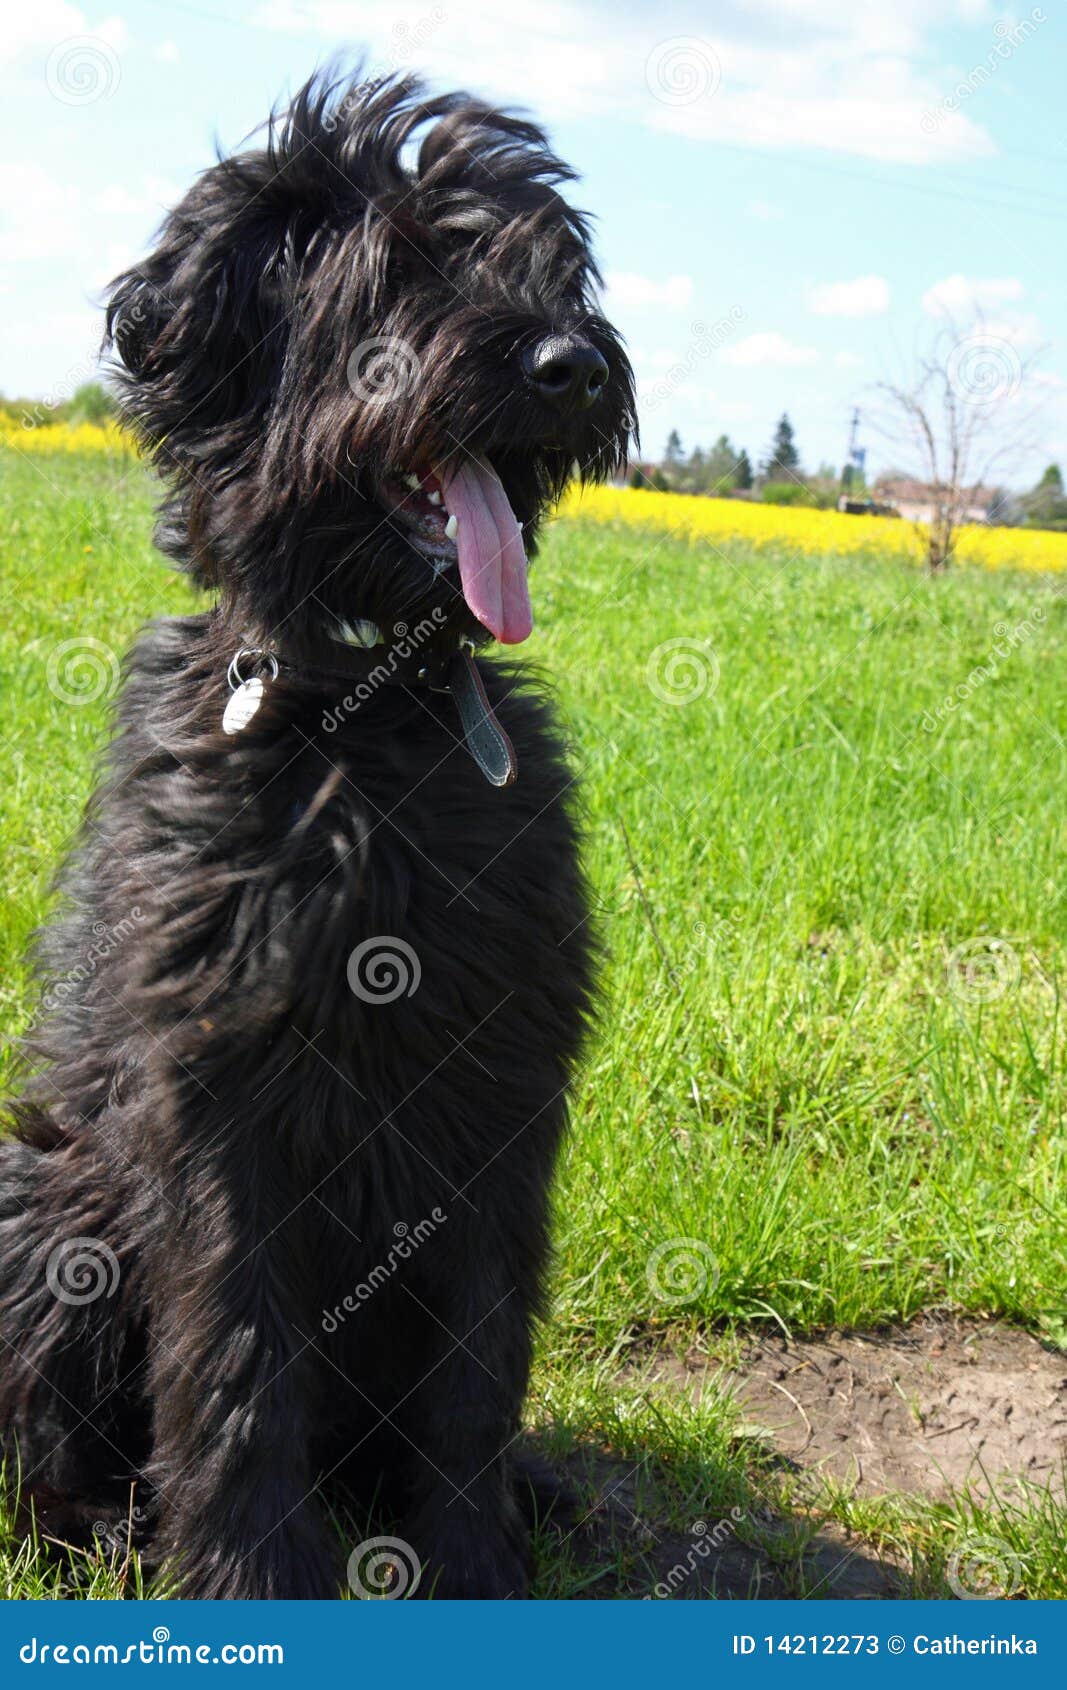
(136, 313)
(199, 327)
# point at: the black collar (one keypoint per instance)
(440, 665)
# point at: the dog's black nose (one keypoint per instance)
(566, 370)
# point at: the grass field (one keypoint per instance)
(827, 835)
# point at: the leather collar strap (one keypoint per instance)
(449, 669)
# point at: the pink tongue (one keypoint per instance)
(492, 560)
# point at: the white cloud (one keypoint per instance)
(960, 296)
(847, 360)
(764, 73)
(867, 296)
(166, 52)
(626, 288)
(770, 348)
(48, 24)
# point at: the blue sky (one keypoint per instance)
(789, 193)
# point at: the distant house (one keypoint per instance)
(917, 501)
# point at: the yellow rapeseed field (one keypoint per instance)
(720, 523)
(50, 439)
(717, 523)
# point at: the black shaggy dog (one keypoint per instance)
(275, 1207)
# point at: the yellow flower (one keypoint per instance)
(48, 439)
(809, 533)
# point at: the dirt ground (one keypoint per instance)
(928, 1409)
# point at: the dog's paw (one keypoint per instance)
(474, 1561)
(292, 1566)
(543, 1497)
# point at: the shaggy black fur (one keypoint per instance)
(240, 1139)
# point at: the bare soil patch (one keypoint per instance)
(930, 1408)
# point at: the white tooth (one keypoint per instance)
(452, 526)
(411, 481)
(434, 497)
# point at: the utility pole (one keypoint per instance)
(850, 460)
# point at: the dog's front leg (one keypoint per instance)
(466, 1526)
(231, 1447)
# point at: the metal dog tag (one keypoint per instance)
(242, 705)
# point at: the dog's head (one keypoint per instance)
(367, 356)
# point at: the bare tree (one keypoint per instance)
(963, 418)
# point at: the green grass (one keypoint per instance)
(794, 1071)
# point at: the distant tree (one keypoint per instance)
(1045, 506)
(693, 477)
(744, 477)
(782, 462)
(673, 458)
(1006, 509)
(962, 416)
(90, 403)
(723, 463)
